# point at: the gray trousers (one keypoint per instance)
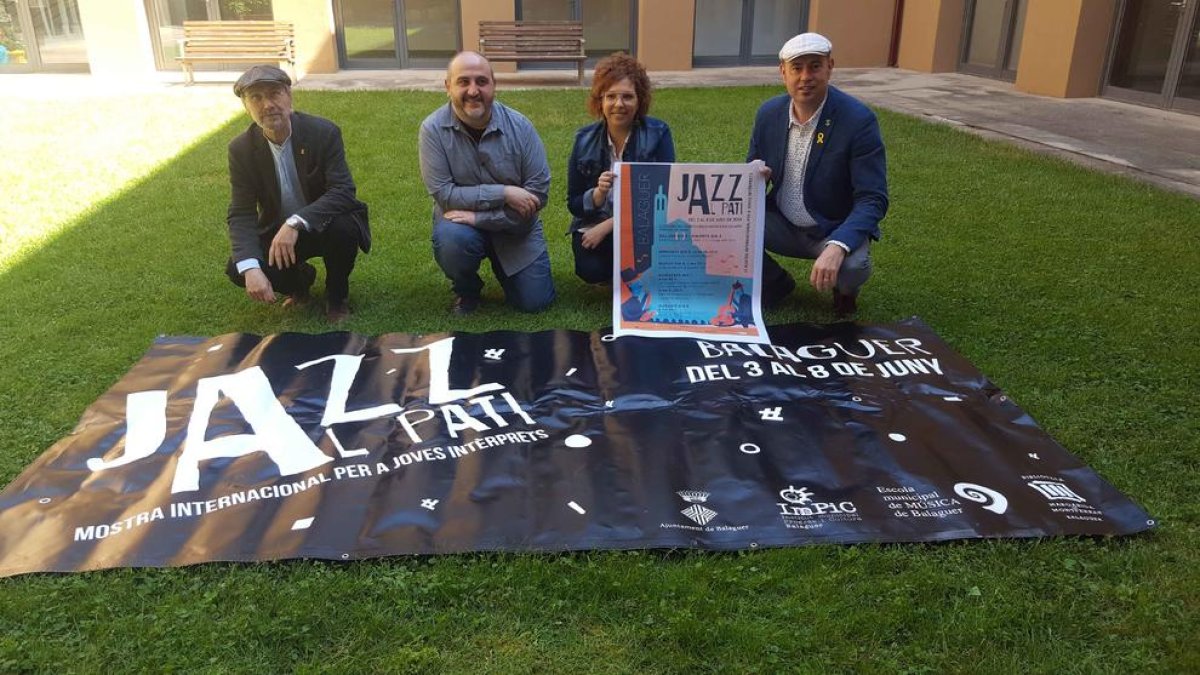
(780, 236)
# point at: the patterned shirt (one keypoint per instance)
(790, 198)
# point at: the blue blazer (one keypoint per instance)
(650, 142)
(845, 180)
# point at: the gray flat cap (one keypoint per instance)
(258, 75)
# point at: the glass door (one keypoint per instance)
(41, 35)
(745, 32)
(397, 33)
(166, 25)
(608, 25)
(992, 32)
(1156, 55)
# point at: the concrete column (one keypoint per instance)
(665, 30)
(930, 35)
(474, 11)
(316, 41)
(860, 30)
(117, 35)
(1063, 47)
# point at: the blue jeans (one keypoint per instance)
(460, 249)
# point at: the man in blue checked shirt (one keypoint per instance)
(485, 167)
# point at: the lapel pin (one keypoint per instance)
(820, 138)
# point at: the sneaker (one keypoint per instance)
(337, 312)
(464, 305)
(844, 305)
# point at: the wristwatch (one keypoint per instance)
(295, 223)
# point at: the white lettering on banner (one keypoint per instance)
(89, 532)
(409, 425)
(458, 419)
(868, 349)
(280, 436)
(345, 367)
(439, 373)
(715, 372)
(275, 432)
(146, 427)
(901, 367)
(193, 509)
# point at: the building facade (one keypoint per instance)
(1144, 51)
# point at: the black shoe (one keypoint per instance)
(774, 295)
(302, 295)
(337, 312)
(464, 305)
(844, 305)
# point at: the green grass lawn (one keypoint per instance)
(1076, 292)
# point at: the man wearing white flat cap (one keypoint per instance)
(822, 152)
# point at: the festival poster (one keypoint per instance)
(689, 242)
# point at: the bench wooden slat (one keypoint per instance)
(533, 41)
(237, 42)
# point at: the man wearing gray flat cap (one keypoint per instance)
(293, 199)
(822, 152)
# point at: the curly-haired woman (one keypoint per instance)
(620, 98)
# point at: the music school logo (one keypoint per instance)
(986, 497)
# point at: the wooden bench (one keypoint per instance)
(238, 42)
(533, 41)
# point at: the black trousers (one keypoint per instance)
(337, 246)
(593, 265)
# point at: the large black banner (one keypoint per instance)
(344, 447)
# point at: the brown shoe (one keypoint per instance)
(297, 300)
(844, 305)
(337, 312)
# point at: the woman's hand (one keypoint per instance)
(596, 234)
(603, 187)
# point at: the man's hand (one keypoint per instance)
(595, 236)
(282, 253)
(521, 200)
(762, 169)
(825, 269)
(603, 187)
(258, 286)
(461, 217)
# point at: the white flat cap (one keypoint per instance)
(805, 43)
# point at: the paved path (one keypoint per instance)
(1148, 144)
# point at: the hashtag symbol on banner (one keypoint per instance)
(772, 414)
(430, 504)
(493, 354)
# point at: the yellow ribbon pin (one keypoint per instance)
(820, 138)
